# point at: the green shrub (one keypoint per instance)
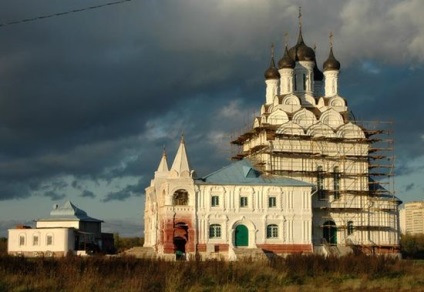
(412, 246)
(3, 245)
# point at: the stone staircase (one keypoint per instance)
(250, 253)
(344, 250)
(140, 252)
(337, 250)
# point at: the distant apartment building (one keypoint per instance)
(412, 218)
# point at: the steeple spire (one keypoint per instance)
(300, 38)
(300, 17)
(163, 169)
(272, 63)
(180, 164)
(301, 52)
(272, 72)
(331, 63)
(163, 165)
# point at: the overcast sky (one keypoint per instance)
(88, 100)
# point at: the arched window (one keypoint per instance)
(349, 227)
(22, 240)
(49, 239)
(180, 198)
(329, 231)
(35, 239)
(215, 231)
(336, 179)
(272, 231)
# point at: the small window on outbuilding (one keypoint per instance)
(21, 240)
(49, 239)
(35, 240)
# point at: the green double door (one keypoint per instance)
(241, 236)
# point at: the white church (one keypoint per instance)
(307, 178)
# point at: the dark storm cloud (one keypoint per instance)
(127, 192)
(14, 189)
(54, 196)
(87, 194)
(389, 96)
(409, 187)
(96, 95)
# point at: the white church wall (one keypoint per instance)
(41, 241)
(292, 213)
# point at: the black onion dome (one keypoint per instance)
(272, 72)
(331, 63)
(286, 61)
(301, 52)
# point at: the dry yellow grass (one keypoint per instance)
(295, 273)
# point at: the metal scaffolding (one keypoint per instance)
(365, 169)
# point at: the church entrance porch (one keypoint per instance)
(180, 240)
(241, 235)
(329, 232)
(179, 245)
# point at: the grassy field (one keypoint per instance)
(295, 273)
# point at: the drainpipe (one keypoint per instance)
(312, 219)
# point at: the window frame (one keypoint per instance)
(214, 201)
(272, 202)
(180, 197)
(272, 231)
(336, 182)
(350, 227)
(22, 240)
(244, 202)
(215, 231)
(320, 183)
(35, 240)
(49, 239)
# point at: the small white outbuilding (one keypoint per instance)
(67, 229)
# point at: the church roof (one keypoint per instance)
(286, 61)
(331, 63)
(163, 165)
(243, 173)
(383, 193)
(68, 212)
(181, 164)
(272, 71)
